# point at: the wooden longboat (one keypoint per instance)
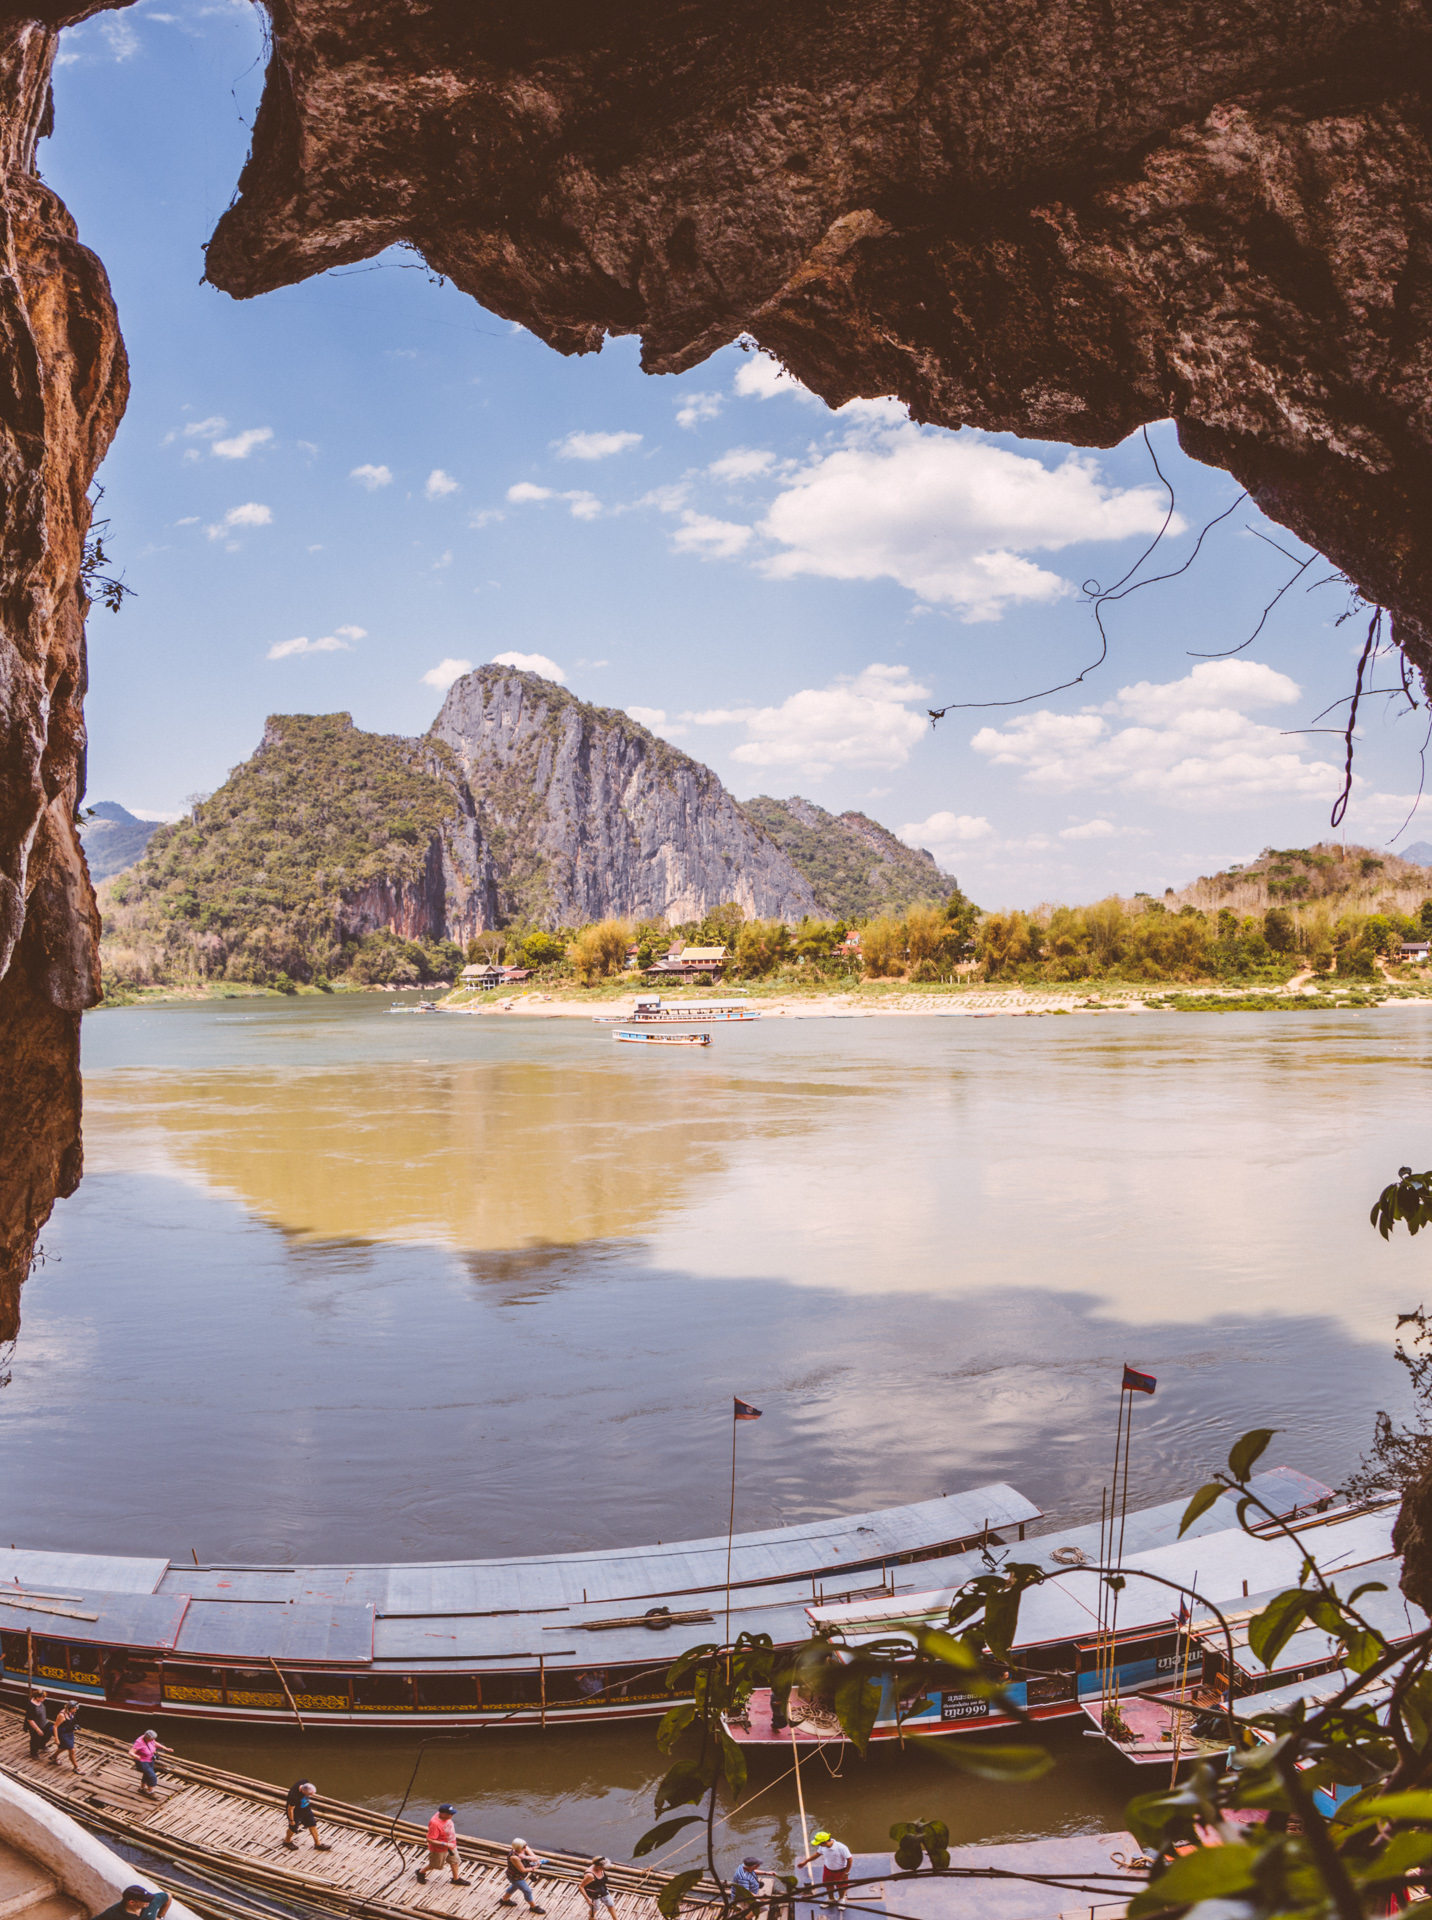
(1058, 1666)
(562, 1639)
(663, 1039)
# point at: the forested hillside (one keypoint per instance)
(855, 866)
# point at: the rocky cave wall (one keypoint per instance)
(63, 385)
(1056, 217)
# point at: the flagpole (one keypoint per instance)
(1106, 1596)
(731, 1524)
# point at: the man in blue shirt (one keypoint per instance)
(746, 1878)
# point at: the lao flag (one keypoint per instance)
(745, 1411)
(1135, 1382)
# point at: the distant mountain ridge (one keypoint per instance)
(113, 838)
(855, 866)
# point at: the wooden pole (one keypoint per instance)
(291, 1701)
(730, 1535)
(1183, 1678)
(542, 1679)
(800, 1802)
(1123, 1518)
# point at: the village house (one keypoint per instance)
(691, 963)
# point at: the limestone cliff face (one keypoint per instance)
(587, 814)
(63, 385)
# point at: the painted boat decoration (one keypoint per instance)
(663, 1039)
(561, 1638)
(1062, 1664)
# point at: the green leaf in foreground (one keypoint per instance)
(669, 1900)
(1271, 1630)
(658, 1836)
(1212, 1873)
(1199, 1504)
(1247, 1450)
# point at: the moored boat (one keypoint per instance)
(663, 1039)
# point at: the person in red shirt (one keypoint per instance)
(442, 1847)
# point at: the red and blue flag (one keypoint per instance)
(745, 1411)
(1136, 1382)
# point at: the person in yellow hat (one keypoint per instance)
(834, 1857)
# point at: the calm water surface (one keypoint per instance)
(341, 1285)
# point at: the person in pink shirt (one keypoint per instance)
(442, 1847)
(143, 1753)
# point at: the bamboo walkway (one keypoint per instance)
(228, 1831)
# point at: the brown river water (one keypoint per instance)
(343, 1285)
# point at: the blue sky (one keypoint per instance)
(327, 497)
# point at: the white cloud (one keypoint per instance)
(205, 429)
(583, 506)
(655, 720)
(439, 484)
(863, 721)
(251, 514)
(531, 663)
(525, 490)
(443, 560)
(949, 516)
(697, 407)
(717, 539)
(669, 499)
(594, 446)
(1089, 830)
(759, 377)
(189, 520)
(352, 633)
(371, 477)
(445, 672)
(241, 445)
(330, 643)
(1186, 743)
(742, 463)
(943, 833)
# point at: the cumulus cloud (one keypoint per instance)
(445, 672)
(1187, 743)
(949, 516)
(697, 407)
(440, 483)
(717, 539)
(371, 477)
(337, 642)
(581, 505)
(250, 514)
(759, 377)
(205, 429)
(655, 720)
(594, 446)
(858, 721)
(943, 833)
(531, 663)
(240, 445)
(742, 463)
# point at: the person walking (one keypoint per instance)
(520, 1862)
(299, 1812)
(442, 1847)
(66, 1726)
(144, 1754)
(37, 1723)
(834, 1857)
(595, 1889)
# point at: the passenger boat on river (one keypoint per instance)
(556, 1639)
(1064, 1661)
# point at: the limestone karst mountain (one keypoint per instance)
(113, 838)
(588, 814)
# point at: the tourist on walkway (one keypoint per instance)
(144, 1752)
(37, 1723)
(747, 1877)
(137, 1903)
(66, 1726)
(595, 1888)
(299, 1812)
(834, 1857)
(442, 1846)
(520, 1862)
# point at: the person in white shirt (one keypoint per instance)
(834, 1857)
